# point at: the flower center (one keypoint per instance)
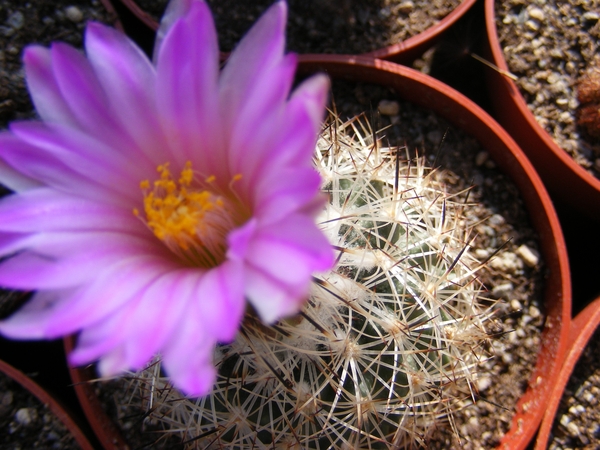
(192, 222)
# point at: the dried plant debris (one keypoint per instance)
(588, 94)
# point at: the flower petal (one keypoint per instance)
(44, 209)
(124, 71)
(43, 88)
(282, 259)
(116, 286)
(57, 260)
(220, 300)
(295, 188)
(13, 179)
(47, 169)
(86, 156)
(31, 321)
(187, 75)
(259, 51)
(176, 9)
(143, 325)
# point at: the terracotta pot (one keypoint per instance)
(104, 427)
(402, 52)
(456, 108)
(566, 180)
(583, 327)
(44, 397)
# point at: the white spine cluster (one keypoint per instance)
(388, 343)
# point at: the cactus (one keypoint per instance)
(389, 342)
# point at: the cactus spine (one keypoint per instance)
(388, 344)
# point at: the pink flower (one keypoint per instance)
(155, 197)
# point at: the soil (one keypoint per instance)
(577, 421)
(327, 26)
(26, 423)
(549, 45)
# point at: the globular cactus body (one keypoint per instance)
(388, 343)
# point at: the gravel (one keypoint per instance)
(548, 45)
(577, 422)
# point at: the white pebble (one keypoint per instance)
(406, 7)
(537, 14)
(532, 25)
(507, 262)
(388, 107)
(591, 15)
(74, 14)
(528, 256)
(483, 383)
(515, 304)
(25, 416)
(534, 312)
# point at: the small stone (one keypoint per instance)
(497, 220)
(25, 416)
(562, 101)
(503, 289)
(74, 14)
(537, 14)
(388, 107)
(481, 158)
(534, 312)
(573, 429)
(16, 20)
(482, 253)
(507, 262)
(591, 15)
(529, 257)
(515, 304)
(597, 164)
(406, 7)
(576, 410)
(483, 383)
(532, 25)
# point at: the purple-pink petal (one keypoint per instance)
(187, 95)
(259, 51)
(45, 209)
(43, 88)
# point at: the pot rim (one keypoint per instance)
(53, 404)
(404, 51)
(578, 177)
(583, 327)
(428, 92)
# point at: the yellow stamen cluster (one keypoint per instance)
(177, 214)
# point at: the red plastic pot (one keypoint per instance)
(582, 330)
(402, 52)
(566, 180)
(44, 397)
(427, 92)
